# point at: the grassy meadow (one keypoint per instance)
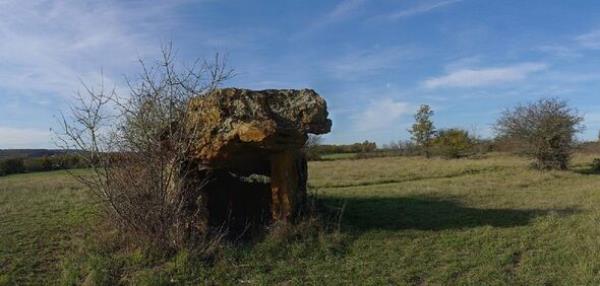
(405, 221)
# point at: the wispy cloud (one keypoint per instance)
(23, 138)
(590, 40)
(560, 51)
(484, 76)
(463, 63)
(343, 10)
(572, 78)
(364, 62)
(47, 46)
(381, 114)
(423, 8)
(575, 46)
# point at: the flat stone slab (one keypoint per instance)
(230, 121)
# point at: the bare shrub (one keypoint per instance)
(137, 151)
(403, 147)
(311, 147)
(544, 130)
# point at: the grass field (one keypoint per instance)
(338, 156)
(406, 221)
(40, 215)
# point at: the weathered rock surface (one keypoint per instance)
(244, 134)
(232, 121)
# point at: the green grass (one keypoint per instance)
(40, 214)
(406, 221)
(338, 156)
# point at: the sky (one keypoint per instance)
(373, 61)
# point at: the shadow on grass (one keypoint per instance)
(586, 171)
(461, 173)
(422, 213)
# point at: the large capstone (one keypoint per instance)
(252, 143)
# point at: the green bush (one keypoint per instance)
(452, 143)
(365, 146)
(39, 164)
(12, 166)
(595, 165)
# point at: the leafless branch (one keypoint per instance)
(136, 153)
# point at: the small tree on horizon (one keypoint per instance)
(545, 129)
(422, 130)
(452, 143)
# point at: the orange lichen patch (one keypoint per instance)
(253, 132)
(227, 120)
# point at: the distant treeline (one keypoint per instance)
(30, 153)
(37, 160)
(481, 146)
(365, 146)
(450, 143)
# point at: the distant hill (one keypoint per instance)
(29, 153)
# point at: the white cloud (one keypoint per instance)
(381, 114)
(577, 78)
(560, 51)
(48, 46)
(344, 8)
(484, 76)
(575, 46)
(366, 62)
(462, 63)
(340, 12)
(424, 8)
(24, 138)
(589, 40)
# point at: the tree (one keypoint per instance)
(452, 143)
(311, 147)
(545, 130)
(12, 166)
(47, 163)
(368, 147)
(422, 130)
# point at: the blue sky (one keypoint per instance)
(373, 61)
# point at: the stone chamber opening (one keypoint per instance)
(251, 144)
